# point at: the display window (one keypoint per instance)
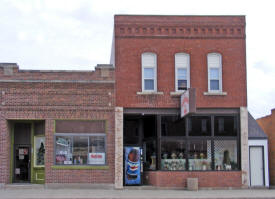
(225, 126)
(200, 155)
(173, 155)
(199, 126)
(80, 149)
(194, 143)
(226, 154)
(39, 151)
(150, 155)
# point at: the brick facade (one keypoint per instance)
(267, 123)
(197, 36)
(167, 35)
(177, 179)
(52, 95)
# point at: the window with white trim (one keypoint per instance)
(149, 72)
(182, 71)
(214, 63)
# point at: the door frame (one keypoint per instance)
(14, 162)
(263, 162)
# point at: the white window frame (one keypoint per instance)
(219, 66)
(153, 66)
(187, 67)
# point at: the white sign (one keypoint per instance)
(184, 103)
(96, 158)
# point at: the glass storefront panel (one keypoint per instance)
(200, 155)
(225, 125)
(80, 150)
(173, 155)
(172, 126)
(63, 150)
(226, 154)
(199, 126)
(150, 155)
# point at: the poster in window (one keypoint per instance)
(96, 158)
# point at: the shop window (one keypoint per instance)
(79, 149)
(173, 155)
(39, 151)
(150, 155)
(149, 71)
(63, 150)
(199, 126)
(149, 126)
(226, 155)
(172, 126)
(199, 155)
(214, 63)
(182, 71)
(225, 125)
(131, 131)
(96, 150)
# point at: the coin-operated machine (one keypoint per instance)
(132, 166)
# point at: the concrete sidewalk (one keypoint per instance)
(41, 193)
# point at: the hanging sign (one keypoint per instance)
(188, 102)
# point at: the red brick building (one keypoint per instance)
(267, 124)
(156, 59)
(55, 125)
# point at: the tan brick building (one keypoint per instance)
(55, 125)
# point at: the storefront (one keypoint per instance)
(57, 127)
(201, 142)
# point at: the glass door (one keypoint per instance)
(22, 164)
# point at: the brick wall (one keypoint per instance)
(205, 179)
(167, 35)
(58, 95)
(267, 123)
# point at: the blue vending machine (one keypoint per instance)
(132, 165)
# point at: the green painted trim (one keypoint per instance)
(32, 152)
(80, 167)
(106, 126)
(54, 126)
(11, 152)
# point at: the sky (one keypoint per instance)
(77, 35)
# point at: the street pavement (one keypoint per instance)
(132, 193)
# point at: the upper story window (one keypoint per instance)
(214, 63)
(182, 71)
(149, 72)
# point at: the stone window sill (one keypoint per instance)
(78, 167)
(176, 93)
(149, 93)
(215, 93)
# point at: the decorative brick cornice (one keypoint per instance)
(180, 31)
(180, 26)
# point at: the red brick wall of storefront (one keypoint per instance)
(267, 123)
(205, 179)
(167, 35)
(36, 95)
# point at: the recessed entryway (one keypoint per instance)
(27, 151)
